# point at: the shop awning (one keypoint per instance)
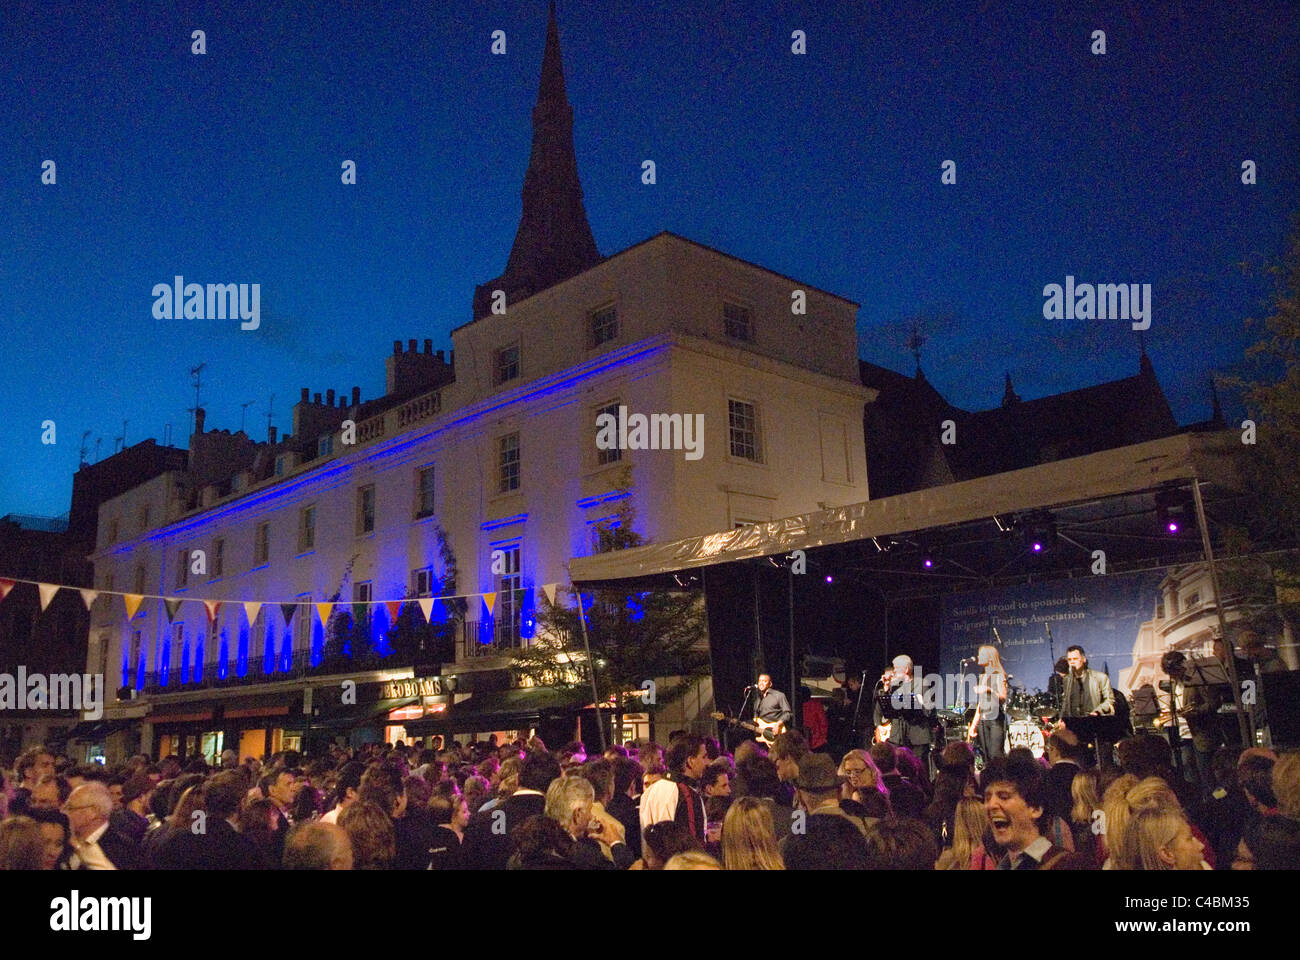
(354, 715)
(94, 730)
(501, 710)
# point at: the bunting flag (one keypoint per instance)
(288, 609)
(323, 611)
(251, 607)
(426, 607)
(5, 587)
(47, 591)
(172, 604)
(394, 608)
(88, 598)
(212, 606)
(549, 590)
(133, 601)
(489, 600)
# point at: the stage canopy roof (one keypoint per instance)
(1123, 473)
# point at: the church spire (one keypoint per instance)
(554, 239)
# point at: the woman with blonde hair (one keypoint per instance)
(1125, 797)
(862, 787)
(1159, 838)
(21, 845)
(748, 837)
(989, 728)
(1084, 791)
(967, 850)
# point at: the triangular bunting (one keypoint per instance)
(489, 600)
(88, 597)
(426, 607)
(133, 601)
(251, 607)
(394, 608)
(288, 609)
(5, 587)
(47, 591)
(323, 611)
(549, 590)
(172, 604)
(211, 606)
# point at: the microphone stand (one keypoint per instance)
(857, 708)
(741, 714)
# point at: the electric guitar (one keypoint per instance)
(764, 731)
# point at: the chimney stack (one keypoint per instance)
(428, 346)
(442, 357)
(316, 399)
(410, 345)
(397, 346)
(304, 394)
(270, 435)
(329, 398)
(356, 396)
(199, 416)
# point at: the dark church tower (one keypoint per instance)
(554, 241)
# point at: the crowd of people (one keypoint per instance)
(692, 805)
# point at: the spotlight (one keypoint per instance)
(830, 579)
(927, 561)
(1174, 511)
(1040, 533)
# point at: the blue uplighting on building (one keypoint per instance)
(165, 664)
(223, 657)
(198, 660)
(185, 661)
(126, 667)
(241, 656)
(286, 651)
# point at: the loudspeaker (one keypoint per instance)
(1282, 701)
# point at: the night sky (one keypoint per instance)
(226, 168)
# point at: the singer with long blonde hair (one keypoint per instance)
(990, 726)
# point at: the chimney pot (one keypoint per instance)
(442, 357)
(428, 346)
(356, 396)
(304, 394)
(199, 416)
(270, 435)
(329, 398)
(410, 345)
(316, 399)
(397, 346)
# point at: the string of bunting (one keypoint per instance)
(288, 608)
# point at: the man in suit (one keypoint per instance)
(899, 701)
(96, 846)
(487, 838)
(1087, 694)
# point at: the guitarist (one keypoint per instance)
(771, 705)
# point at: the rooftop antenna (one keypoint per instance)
(98, 441)
(243, 409)
(914, 343)
(270, 405)
(167, 435)
(197, 374)
(83, 447)
(124, 423)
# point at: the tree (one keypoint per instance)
(1270, 466)
(417, 641)
(635, 637)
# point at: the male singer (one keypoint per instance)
(898, 699)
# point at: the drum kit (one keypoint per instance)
(1030, 717)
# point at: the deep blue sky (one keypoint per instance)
(225, 168)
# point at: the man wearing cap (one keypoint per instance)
(826, 834)
(130, 819)
(899, 701)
